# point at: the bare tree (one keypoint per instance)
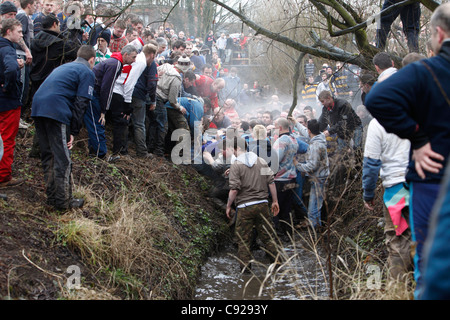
(337, 30)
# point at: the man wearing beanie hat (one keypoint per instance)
(102, 51)
(8, 10)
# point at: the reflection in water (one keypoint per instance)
(302, 277)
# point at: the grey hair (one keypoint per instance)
(128, 49)
(441, 17)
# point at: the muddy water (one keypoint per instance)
(304, 276)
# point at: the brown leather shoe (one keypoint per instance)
(12, 183)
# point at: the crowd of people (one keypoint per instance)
(67, 69)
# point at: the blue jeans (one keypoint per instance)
(316, 196)
(422, 199)
(410, 16)
(96, 132)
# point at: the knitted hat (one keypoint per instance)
(184, 63)
(7, 7)
(105, 34)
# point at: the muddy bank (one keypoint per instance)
(145, 230)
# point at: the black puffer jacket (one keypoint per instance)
(50, 50)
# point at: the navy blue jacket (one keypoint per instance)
(65, 94)
(106, 73)
(410, 104)
(11, 87)
(145, 88)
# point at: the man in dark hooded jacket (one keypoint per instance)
(49, 50)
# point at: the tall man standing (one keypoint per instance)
(10, 94)
(414, 104)
(249, 179)
(58, 115)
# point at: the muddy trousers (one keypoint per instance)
(398, 247)
(255, 216)
(55, 157)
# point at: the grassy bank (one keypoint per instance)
(143, 233)
(147, 227)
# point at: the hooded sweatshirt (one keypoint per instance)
(251, 176)
(50, 50)
(169, 83)
(316, 164)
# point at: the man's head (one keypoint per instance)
(313, 127)
(162, 44)
(218, 85)
(326, 99)
(138, 25)
(188, 49)
(308, 112)
(189, 79)
(50, 22)
(104, 39)
(131, 34)
(366, 81)
(236, 144)
(29, 6)
(8, 10)
(183, 63)
(259, 132)
(218, 115)
(129, 53)
(267, 118)
(149, 51)
(48, 7)
(119, 28)
(382, 61)
(236, 123)
(282, 125)
(229, 104)
(87, 52)
(440, 26)
(207, 70)
(12, 30)
(303, 120)
(179, 45)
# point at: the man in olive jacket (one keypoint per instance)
(249, 179)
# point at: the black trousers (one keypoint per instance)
(55, 155)
(119, 124)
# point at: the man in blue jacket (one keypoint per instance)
(106, 74)
(413, 103)
(58, 109)
(10, 97)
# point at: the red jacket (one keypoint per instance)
(203, 86)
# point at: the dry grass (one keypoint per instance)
(136, 235)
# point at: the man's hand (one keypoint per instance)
(182, 110)
(275, 208)
(102, 119)
(228, 212)
(152, 107)
(369, 205)
(70, 142)
(28, 57)
(424, 160)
